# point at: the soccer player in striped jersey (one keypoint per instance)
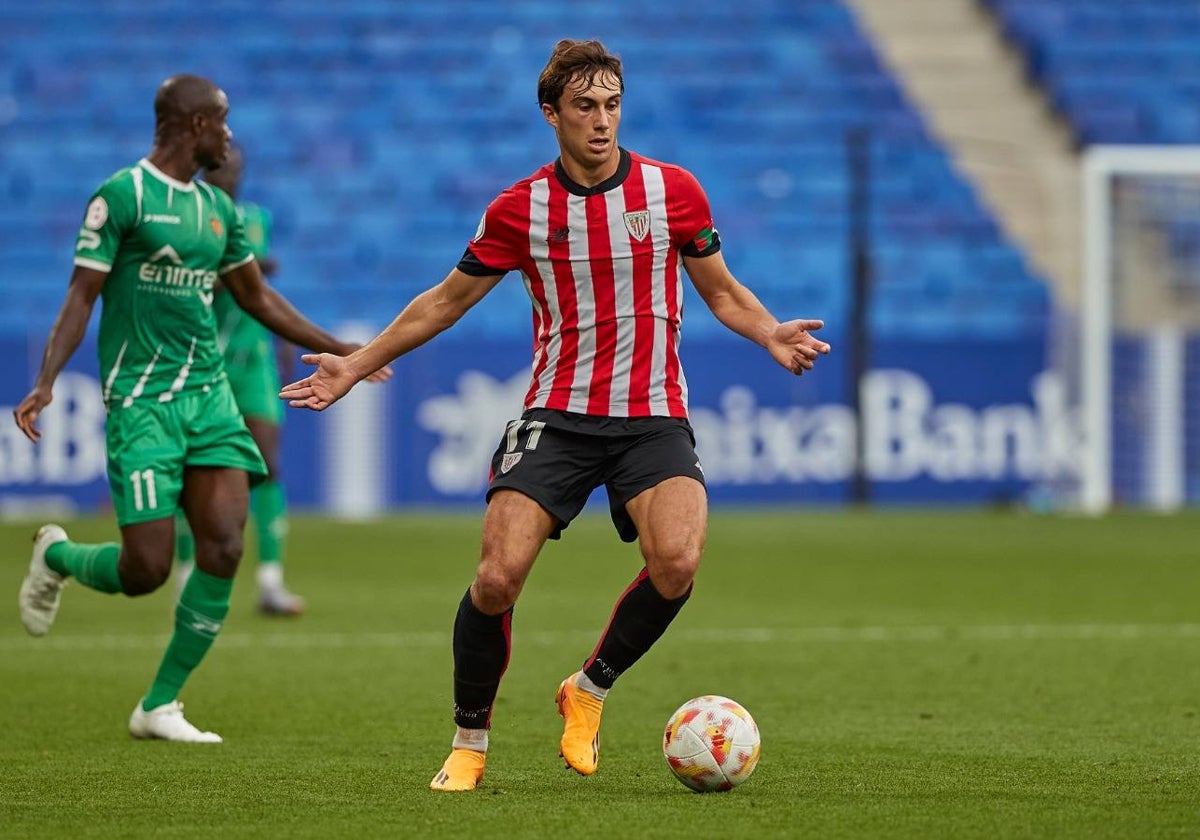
(152, 245)
(600, 237)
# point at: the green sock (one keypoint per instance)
(93, 565)
(198, 615)
(269, 505)
(185, 543)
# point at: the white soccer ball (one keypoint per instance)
(711, 743)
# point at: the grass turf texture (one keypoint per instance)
(914, 675)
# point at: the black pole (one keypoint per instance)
(858, 161)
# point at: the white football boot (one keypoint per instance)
(42, 586)
(273, 597)
(280, 602)
(167, 723)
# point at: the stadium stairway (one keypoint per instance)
(951, 59)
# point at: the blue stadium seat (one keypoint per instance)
(376, 133)
(1120, 72)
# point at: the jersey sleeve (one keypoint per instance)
(111, 214)
(500, 241)
(238, 250)
(692, 229)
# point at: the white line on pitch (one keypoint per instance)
(743, 635)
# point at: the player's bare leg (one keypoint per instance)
(514, 529)
(671, 520)
(146, 552)
(672, 524)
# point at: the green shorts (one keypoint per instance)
(254, 377)
(150, 443)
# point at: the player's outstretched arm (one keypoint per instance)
(257, 297)
(791, 343)
(65, 335)
(428, 314)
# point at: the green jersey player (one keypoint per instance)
(252, 368)
(152, 246)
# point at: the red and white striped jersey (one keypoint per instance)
(603, 269)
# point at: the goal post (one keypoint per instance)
(1138, 320)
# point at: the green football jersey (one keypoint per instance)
(163, 244)
(237, 329)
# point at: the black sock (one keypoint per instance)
(640, 617)
(482, 644)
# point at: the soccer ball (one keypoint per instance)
(711, 743)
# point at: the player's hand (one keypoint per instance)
(793, 345)
(26, 414)
(331, 381)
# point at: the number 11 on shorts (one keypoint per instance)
(511, 441)
(144, 494)
(531, 441)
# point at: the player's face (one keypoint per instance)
(213, 134)
(586, 121)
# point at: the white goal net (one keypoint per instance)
(1138, 370)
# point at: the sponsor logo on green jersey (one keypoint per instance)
(165, 268)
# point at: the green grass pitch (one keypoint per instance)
(914, 675)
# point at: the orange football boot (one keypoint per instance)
(580, 744)
(462, 771)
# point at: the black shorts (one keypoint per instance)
(558, 458)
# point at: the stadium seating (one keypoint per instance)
(1120, 72)
(377, 131)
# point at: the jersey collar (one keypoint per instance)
(165, 178)
(615, 180)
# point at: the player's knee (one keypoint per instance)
(141, 575)
(219, 546)
(672, 568)
(494, 591)
(220, 554)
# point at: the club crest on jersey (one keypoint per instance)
(216, 226)
(637, 222)
(509, 461)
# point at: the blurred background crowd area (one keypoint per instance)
(377, 132)
(937, 141)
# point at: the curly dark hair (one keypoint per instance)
(572, 60)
